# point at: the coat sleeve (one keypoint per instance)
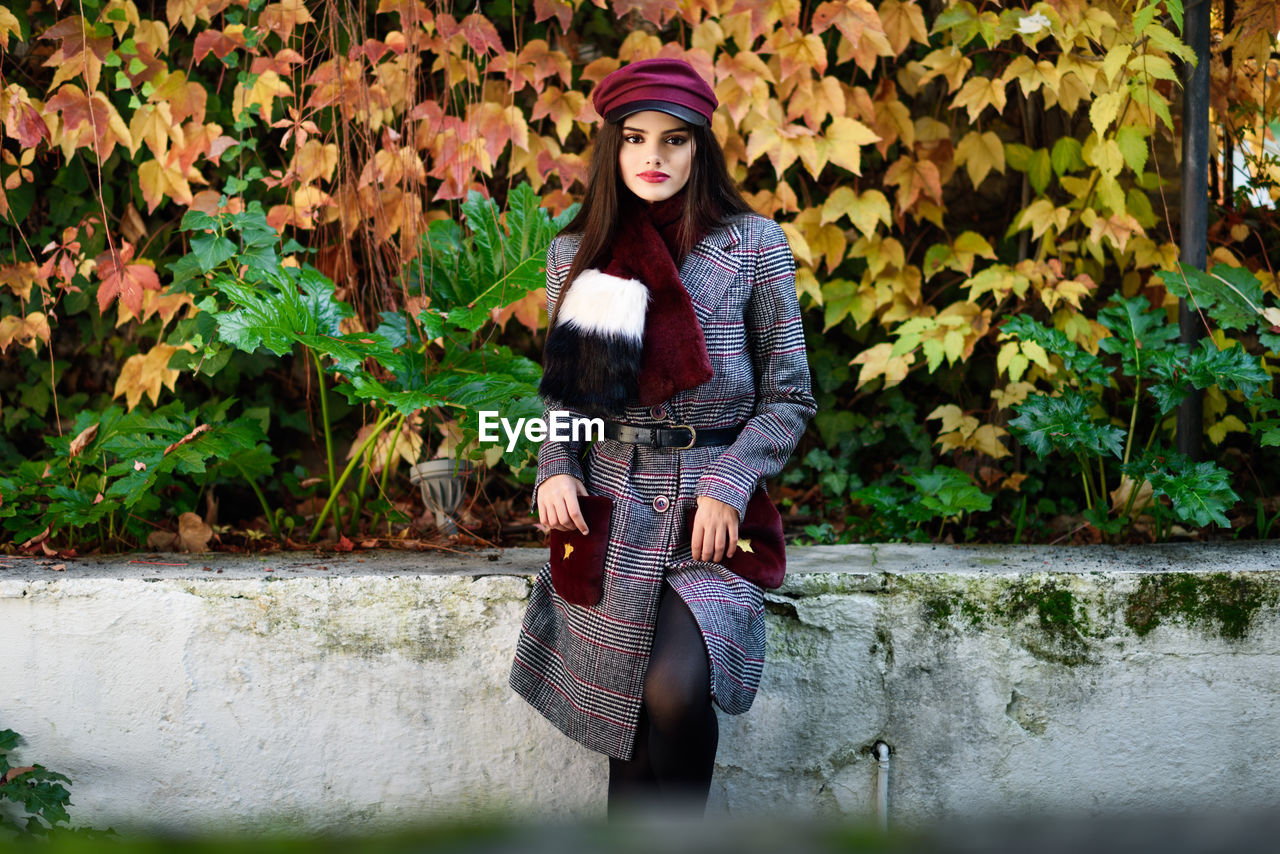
(556, 457)
(784, 396)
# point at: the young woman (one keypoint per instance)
(674, 317)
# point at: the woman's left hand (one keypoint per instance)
(715, 530)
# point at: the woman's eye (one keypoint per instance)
(633, 138)
(676, 140)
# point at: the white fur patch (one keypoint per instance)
(606, 305)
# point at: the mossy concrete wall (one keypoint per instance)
(331, 691)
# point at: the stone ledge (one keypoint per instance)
(869, 559)
(370, 688)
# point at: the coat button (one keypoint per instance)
(657, 412)
(661, 503)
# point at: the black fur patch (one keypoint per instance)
(592, 374)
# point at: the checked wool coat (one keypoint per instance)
(584, 667)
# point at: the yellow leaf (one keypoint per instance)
(8, 26)
(979, 153)
(878, 361)
(1103, 111)
(903, 23)
(1115, 59)
(946, 62)
(952, 417)
(986, 440)
(707, 36)
(1041, 215)
(798, 53)
(1031, 75)
(799, 246)
(1068, 94)
(745, 545)
(24, 331)
(846, 136)
(146, 374)
(1106, 155)
(1229, 424)
(1011, 361)
(980, 93)
(870, 209)
(1012, 394)
(157, 181)
(807, 283)
(264, 92)
(562, 107)
(1121, 494)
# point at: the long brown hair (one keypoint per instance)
(711, 198)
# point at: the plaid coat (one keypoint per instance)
(584, 668)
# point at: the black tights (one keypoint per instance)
(676, 739)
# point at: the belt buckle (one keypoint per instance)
(693, 436)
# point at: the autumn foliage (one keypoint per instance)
(937, 166)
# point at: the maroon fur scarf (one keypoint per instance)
(625, 331)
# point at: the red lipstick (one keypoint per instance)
(653, 177)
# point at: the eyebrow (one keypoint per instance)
(681, 129)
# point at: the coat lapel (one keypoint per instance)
(709, 269)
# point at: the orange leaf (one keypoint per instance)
(120, 278)
(914, 177)
(903, 23)
(852, 18)
(157, 181)
(798, 53)
(217, 42)
(186, 99)
(281, 18)
(656, 12)
(22, 120)
(559, 9)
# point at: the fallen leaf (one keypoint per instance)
(58, 567)
(202, 428)
(38, 538)
(79, 443)
(344, 544)
(139, 465)
(162, 541)
(15, 772)
(193, 533)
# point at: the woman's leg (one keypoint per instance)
(631, 781)
(683, 731)
(677, 735)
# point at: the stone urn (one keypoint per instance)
(443, 483)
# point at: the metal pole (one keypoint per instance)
(1195, 198)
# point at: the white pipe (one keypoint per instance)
(882, 785)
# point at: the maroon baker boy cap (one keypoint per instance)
(668, 85)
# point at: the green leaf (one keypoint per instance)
(1018, 156)
(1064, 424)
(1067, 155)
(211, 250)
(1199, 492)
(1232, 296)
(1040, 171)
(1134, 331)
(1132, 140)
(947, 491)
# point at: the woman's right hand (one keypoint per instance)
(558, 508)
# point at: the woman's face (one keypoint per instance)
(656, 155)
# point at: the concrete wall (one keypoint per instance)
(326, 692)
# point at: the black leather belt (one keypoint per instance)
(679, 437)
